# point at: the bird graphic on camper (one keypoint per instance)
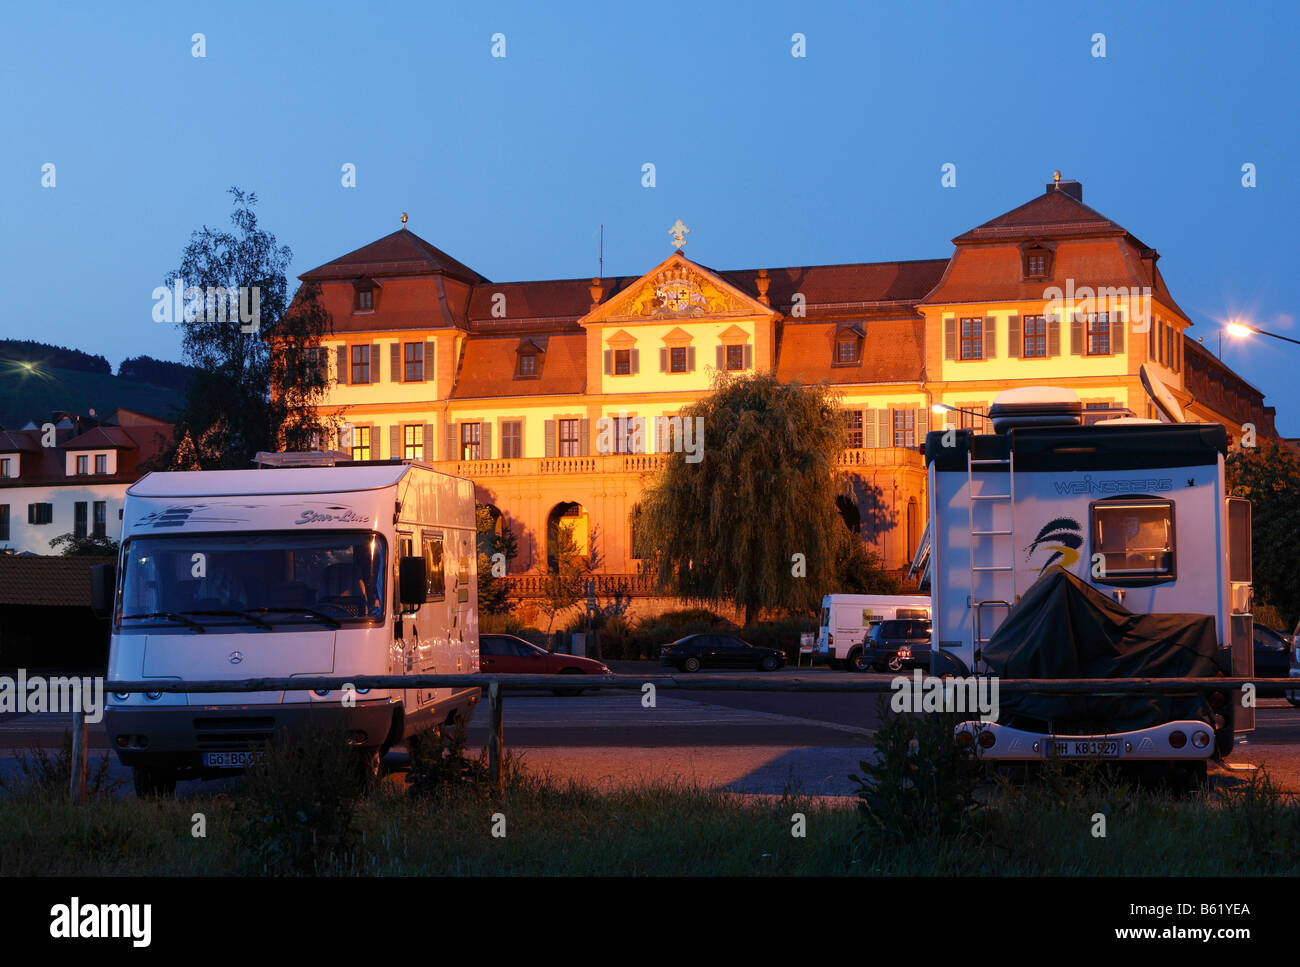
(1063, 537)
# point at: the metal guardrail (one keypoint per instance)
(496, 685)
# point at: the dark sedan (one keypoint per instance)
(1272, 657)
(694, 652)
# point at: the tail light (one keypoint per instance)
(987, 738)
(1217, 700)
(964, 739)
(830, 639)
(1200, 739)
(1177, 738)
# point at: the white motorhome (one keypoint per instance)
(1136, 515)
(847, 620)
(367, 569)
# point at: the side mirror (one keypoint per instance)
(103, 585)
(412, 582)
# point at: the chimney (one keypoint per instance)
(1072, 188)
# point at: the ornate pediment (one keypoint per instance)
(677, 289)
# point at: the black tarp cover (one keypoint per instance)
(1062, 627)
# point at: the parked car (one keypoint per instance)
(1272, 658)
(694, 652)
(510, 655)
(895, 645)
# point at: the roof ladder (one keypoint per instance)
(1001, 571)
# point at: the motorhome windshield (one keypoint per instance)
(254, 580)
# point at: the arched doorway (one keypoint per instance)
(570, 519)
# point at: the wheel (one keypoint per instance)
(855, 662)
(769, 663)
(691, 664)
(152, 781)
(568, 691)
(369, 766)
(1293, 698)
(895, 663)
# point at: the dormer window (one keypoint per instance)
(1036, 261)
(848, 346)
(528, 359)
(365, 293)
(83, 465)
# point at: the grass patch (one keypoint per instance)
(563, 828)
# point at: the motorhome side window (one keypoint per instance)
(434, 564)
(1135, 537)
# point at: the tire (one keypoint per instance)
(568, 691)
(769, 664)
(369, 767)
(151, 781)
(855, 662)
(1293, 698)
(691, 664)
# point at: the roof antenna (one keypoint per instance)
(404, 213)
(602, 251)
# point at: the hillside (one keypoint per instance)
(31, 396)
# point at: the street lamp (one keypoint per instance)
(1241, 329)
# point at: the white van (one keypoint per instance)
(847, 619)
(366, 569)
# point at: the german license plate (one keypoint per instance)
(229, 760)
(1087, 748)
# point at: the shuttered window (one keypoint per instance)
(360, 364)
(1034, 337)
(570, 441)
(413, 362)
(854, 421)
(512, 439)
(972, 338)
(413, 442)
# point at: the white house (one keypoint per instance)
(66, 476)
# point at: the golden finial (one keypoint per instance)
(404, 213)
(1056, 177)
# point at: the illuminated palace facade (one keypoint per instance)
(509, 383)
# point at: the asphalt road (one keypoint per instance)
(764, 742)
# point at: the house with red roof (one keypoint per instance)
(548, 393)
(69, 475)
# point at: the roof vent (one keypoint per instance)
(1035, 406)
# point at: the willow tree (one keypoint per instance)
(753, 520)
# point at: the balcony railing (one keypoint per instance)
(644, 463)
(606, 585)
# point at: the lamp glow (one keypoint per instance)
(1239, 329)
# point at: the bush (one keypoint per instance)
(301, 799)
(923, 783)
(52, 773)
(439, 763)
(782, 633)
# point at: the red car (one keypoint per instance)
(507, 654)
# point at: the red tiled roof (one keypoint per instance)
(892, 352)
(47, 581)
(401, 253)
(102, 438)
(1054, 214)
(15, 441)
(488, 365)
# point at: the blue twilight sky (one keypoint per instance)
(511, 164)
